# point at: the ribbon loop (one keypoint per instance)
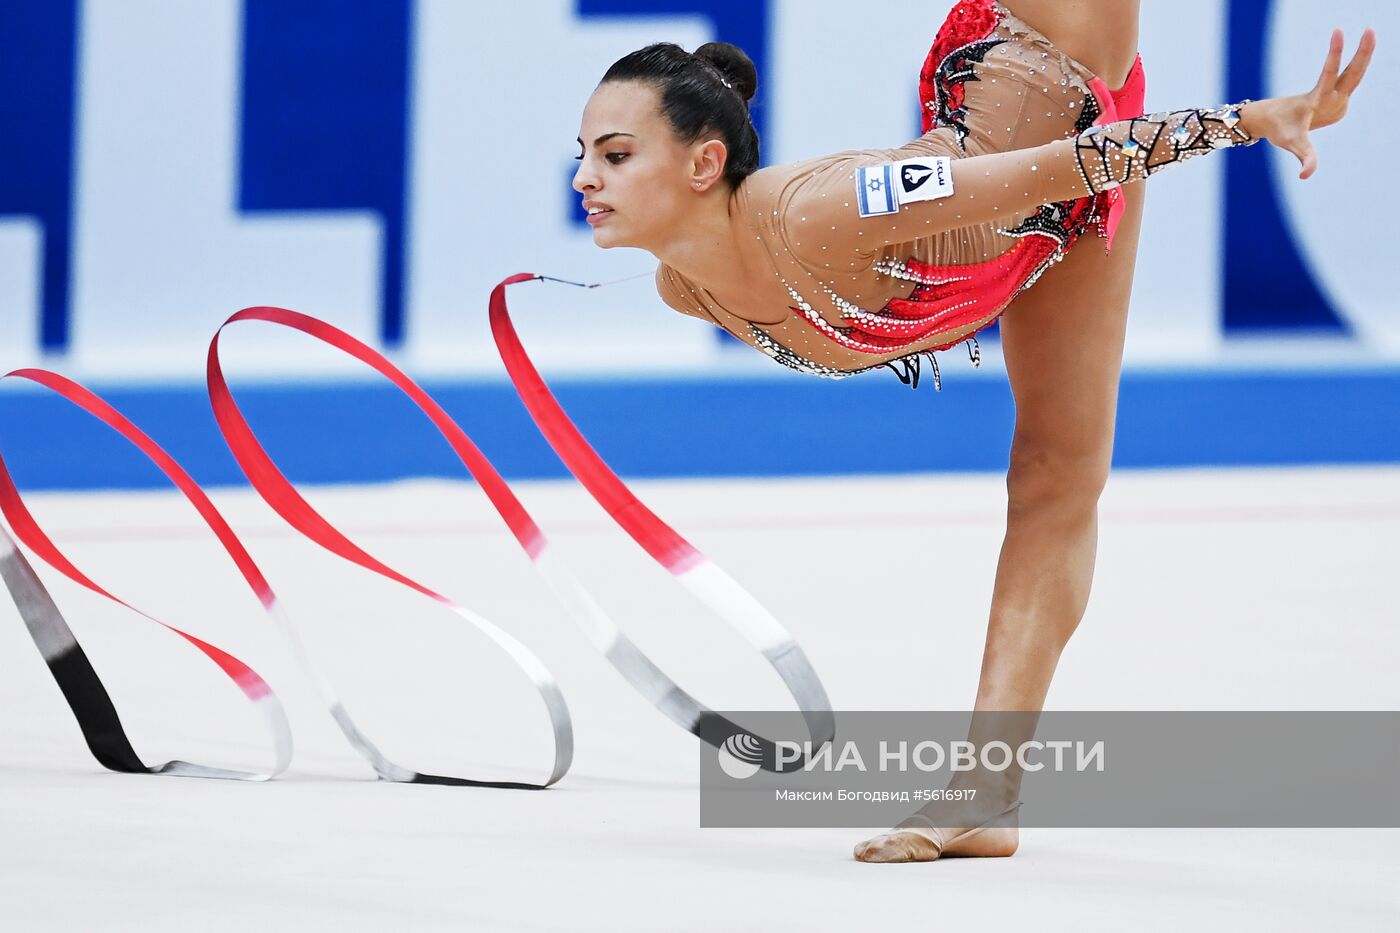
(81, 686)
(705, 580)
(283, 497)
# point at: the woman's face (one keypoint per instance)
(633, 166)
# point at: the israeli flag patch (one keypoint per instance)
(875, 190)
(883, 189)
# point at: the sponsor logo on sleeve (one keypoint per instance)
(884, 188)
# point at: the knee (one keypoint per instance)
(1058, 475)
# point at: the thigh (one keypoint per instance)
(1102, 35)
(1063, 343)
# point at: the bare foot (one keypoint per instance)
(920, 839)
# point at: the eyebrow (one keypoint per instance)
(604, 138)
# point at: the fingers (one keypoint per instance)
(1307, 155)
(1359, 63)
(1333, 63)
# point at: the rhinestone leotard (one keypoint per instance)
(852, 293)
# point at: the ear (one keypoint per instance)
(707, 164)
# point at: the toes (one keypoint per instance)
(873, 850)
(896, 847)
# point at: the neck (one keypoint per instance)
(706, 250)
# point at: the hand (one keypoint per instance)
(1286, 121)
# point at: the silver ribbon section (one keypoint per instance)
(87, 697)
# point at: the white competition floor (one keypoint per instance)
(1238, 589)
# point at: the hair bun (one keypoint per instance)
(731, 62)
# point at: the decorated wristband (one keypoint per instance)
(1116, 154)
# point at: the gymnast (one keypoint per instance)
(873, 258)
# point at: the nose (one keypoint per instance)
(584, 180)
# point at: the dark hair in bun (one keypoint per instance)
(701, 93)
(733, 65)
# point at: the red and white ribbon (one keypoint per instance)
(69, 665)
(283, 497)
(692, 569)
(711, 585)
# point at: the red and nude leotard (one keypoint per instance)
(1039, 146)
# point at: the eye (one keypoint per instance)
(618, 155)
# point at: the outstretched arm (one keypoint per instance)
(937, 193)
